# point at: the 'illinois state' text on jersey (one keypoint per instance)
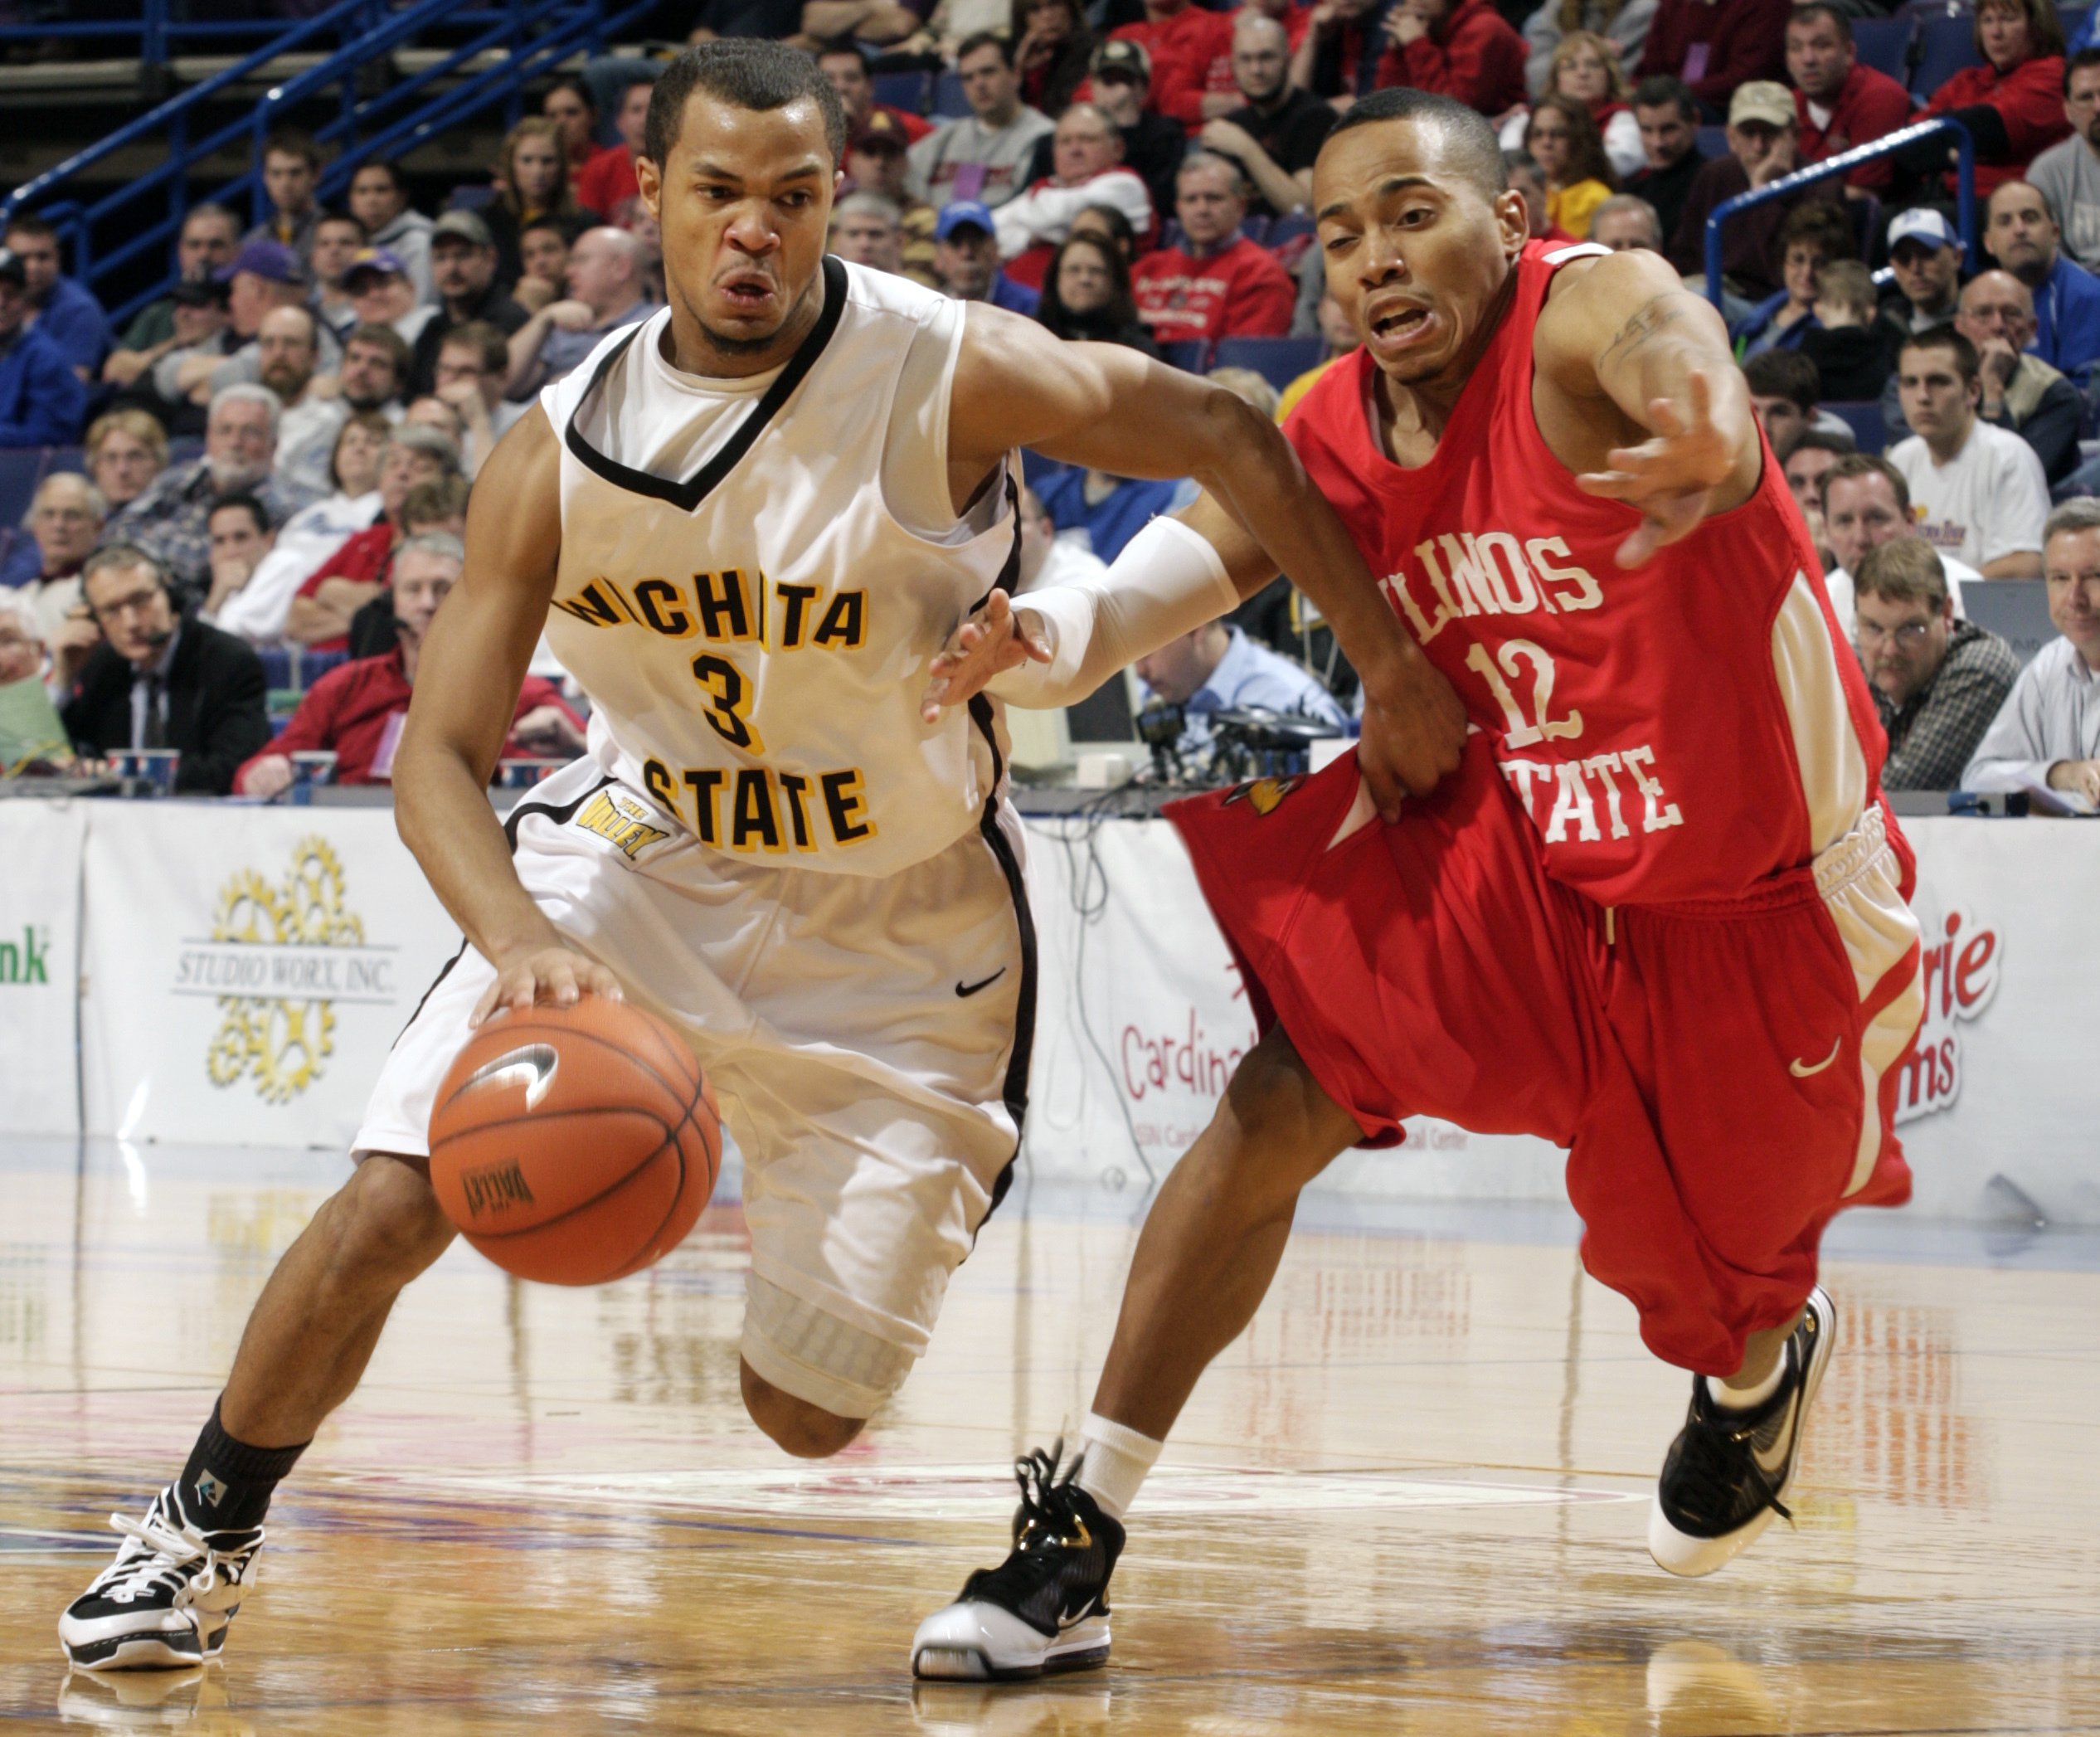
(1677, 731)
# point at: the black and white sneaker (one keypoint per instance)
(1046, 1607)
(1728, 1471)
(168, 1599)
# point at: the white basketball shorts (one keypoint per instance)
(868, 1039)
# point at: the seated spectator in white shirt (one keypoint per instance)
(1978, 491)
(984, 155)
(2046, 740)
(1866, 503)
(1218, 669)
(605, 280)
(311, 408)
(64, 523)
(1937, 682)
(1088, 151)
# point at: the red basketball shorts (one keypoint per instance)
(1723, 1074)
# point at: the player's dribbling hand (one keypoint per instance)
(551, 976)
(1668, 480)
(1414, 732)
(995, 639)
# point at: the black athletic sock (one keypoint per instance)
(227, 1485)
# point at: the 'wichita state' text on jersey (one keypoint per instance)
(754, 574)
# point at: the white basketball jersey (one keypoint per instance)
(754, 574)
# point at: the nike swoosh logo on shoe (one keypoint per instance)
(1800, 1071)
(1065, 1623)
(971, 989)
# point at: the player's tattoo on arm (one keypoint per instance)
(1651, 320)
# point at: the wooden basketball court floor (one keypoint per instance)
(1411, 1501)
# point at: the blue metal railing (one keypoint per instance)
(1965, 187)
(532, 36)
(160, 30)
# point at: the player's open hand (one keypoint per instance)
(1414, 732)
(996, 638)
(1668, 479)
(551, 976)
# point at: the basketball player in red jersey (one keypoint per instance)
(1657, 915)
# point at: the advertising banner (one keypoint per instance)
(40, 965)
(1143, 1019)
(248, 969)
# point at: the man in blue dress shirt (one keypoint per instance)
(1218, 669)
(66, 313)
(2022, 236)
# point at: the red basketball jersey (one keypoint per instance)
(1678, 731)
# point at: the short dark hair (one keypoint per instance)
(1785, 374)
(1903, 570)
(576, 87)
(846, 45)
(1966, 363)
(1817, 440)
(28, 223)
(2081, 61)
(292, 142)
(1822, 223)
(123, 555)
(387, 167)
(746, 73)
(443, 497)
(1823, 9)
(480, 336)
(355, 221)
(1858, 465)
(992, 39)
(386, 338)
(1466, 131)
(1655, 91)
(246, 503)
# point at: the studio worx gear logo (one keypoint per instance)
(280, 958)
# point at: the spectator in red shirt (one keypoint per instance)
(1191, 52)
(608, 179)
(1840, 104)
(1458, 48)
(1216, 284)
(2012, 105)
(1338, 55)
(355, 711)
(420, 489)
(846, 66)
(1715, 46)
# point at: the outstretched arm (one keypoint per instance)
(1110, 409)
(467, 681)
(1627, 332)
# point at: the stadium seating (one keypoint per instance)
(1884, 44)
(1189, 354)
(1945, 46)
(1277, 360)
(904, 90)
(1863, 418)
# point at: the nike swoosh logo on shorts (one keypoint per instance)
(1802, 1072)
(971, 989)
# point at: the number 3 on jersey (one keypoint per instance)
(728, 698)
(1511, 654)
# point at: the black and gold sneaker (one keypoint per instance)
(1046, 1607)
(1728, 1471)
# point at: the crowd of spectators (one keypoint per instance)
(312, 396)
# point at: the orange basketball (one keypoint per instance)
(574, 1145)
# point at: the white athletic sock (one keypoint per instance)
(1745, 1399)
(1113, 1460)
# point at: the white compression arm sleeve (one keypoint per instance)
(1169, 581)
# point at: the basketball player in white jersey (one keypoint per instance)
(748, 526)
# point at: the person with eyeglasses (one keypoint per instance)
(162, 679)
(1937, 682)
(1866, 502)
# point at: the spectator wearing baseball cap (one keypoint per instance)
(876, 162)
(1717, 50)
(42, 400)
(1925, 255)
(983, 156)
(1763, 146)
(1153, 144)
(384, 293)
(965, 259)
(463, 270)
(262, 276)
